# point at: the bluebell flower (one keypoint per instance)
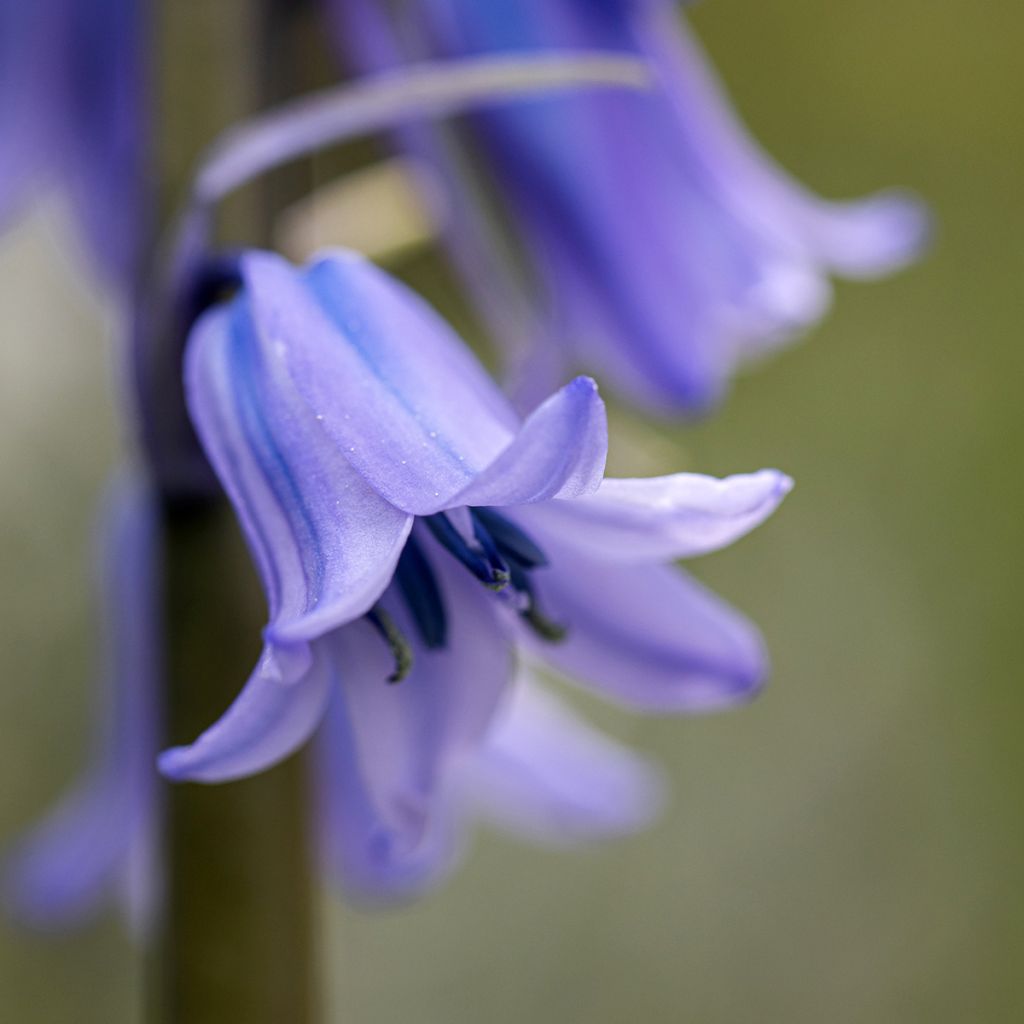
(664, 248)
(541, 773)
(72, 113)
(413, 533)
(99, 840)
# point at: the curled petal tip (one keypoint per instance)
(879, 235)
(783, 482)
(174, 764)
(267, 722)
(583, 385)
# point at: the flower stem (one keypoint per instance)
(235, 939)
(237, 943)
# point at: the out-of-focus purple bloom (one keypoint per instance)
(72, 112)
(407, 524)
(666, 248)
(99, 839)
(542, 774)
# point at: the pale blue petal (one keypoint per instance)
(390, 382)
(857, 238)
(559, 453)
(406, 403)
(662, 518)
(277, 711)
(646, 636)
(548, 776)
(410, 734)
(325, 543)
(371, 860)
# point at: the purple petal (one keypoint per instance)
(560, 452)
(647, 636)
(716, 257)
(859, 238)
(373, 861)
(277, 711)
(72, 98)
(409, 735)
(400, 395)
(105, 132)
(869, 237)
(406, 403)
(30, 98)
(67, 866)
(325, 543)
(548, 776)
(362, 31)
(63, 869)
(663, 518)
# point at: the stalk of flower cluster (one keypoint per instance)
(235, 935)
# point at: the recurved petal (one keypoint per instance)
(325, 542)
(870, 237)
(549, 776)
(277, 711)
(647, 636)
(860, 238)
(560, 452)
(388, 380)
(408, 735)
(663, 518)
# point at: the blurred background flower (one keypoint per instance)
(73, 115)
(662, 248)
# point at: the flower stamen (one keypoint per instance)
(396, 641)
(422, 595)
(486, 565)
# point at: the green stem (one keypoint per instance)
(235, 942)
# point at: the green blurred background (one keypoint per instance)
(848, 849)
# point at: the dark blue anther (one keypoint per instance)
(511, 541)
(505, 556)
(492, 572)
(422, 595)
(487, 543)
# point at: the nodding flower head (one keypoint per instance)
(413, 533)
(664, 247)
(541, 773)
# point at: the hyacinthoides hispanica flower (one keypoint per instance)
(202, 921)
(412, 533)
(72, 112)
(540, 772)
(385, 555)
(415, 527)
(663, 248)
